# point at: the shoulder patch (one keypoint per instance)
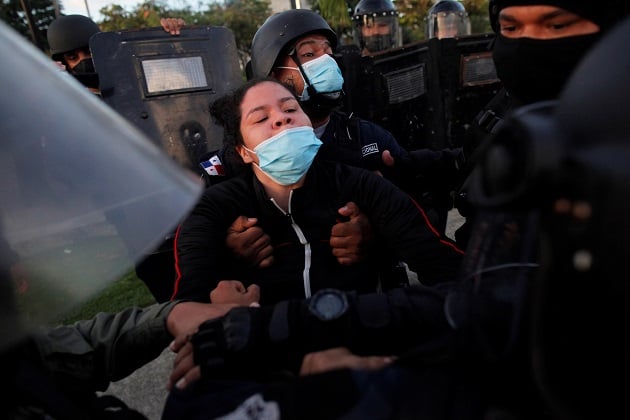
(369, 149)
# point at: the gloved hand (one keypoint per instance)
(232, 346)
(264, 342)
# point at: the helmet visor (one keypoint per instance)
(448, 25)
(377, 33)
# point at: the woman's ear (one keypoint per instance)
(244, 154)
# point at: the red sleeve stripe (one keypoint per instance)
(177, 271)
(434, 230)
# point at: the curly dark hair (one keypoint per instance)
(226, 111)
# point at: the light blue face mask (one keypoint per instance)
(323, 74)
(286, 157)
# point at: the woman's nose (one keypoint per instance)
(283, 120)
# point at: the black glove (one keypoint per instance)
(255, 343)
(232, 346)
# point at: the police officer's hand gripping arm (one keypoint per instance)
(350, 238)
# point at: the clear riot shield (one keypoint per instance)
(426, 93)
(164, 84)
(83, 193)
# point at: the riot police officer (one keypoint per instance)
(447, 19)
(534, 60)
(375, 26)
(88, 153)
(69, 41)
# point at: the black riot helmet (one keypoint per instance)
(375, 25)
(278, 34)
(447, 19)
(277, 37)
(68, 33)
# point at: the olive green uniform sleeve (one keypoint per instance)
(107, 347)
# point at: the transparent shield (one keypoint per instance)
(83, 193)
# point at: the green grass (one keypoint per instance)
(73, 281)
(125, 292)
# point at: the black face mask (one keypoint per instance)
(534, 70)
(85, 73)
(319, 105)
(375, 43)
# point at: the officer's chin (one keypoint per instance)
(334, 96)
(321, 105)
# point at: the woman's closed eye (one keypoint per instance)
(290, 109)
(257, 117)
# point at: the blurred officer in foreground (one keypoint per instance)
(511, 339)
(376, 26)
(537, 46)
(447, 19)
(54, 230)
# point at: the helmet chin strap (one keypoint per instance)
(309, 87)
(318, 105)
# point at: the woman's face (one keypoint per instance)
(267, 109)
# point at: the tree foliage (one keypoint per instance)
(42, 12)
(338, 15)
(243, 17)
(145, 15)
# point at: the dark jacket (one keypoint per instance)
(358, 142)
(302, 266)
(350, 140)
(483, 129)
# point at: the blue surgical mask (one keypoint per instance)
(323, 74)
(286, 157)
